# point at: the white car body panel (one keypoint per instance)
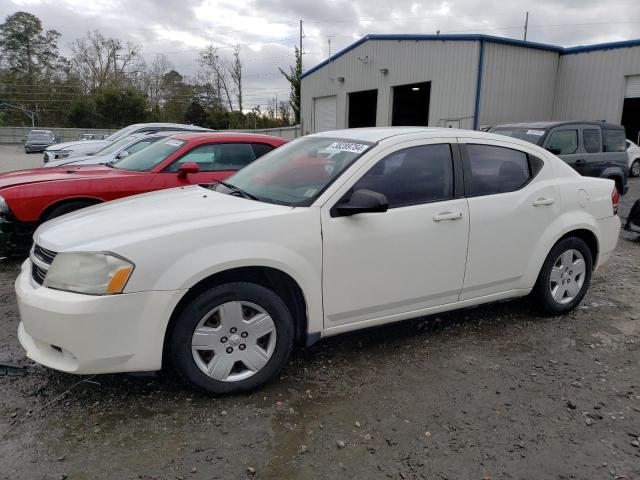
(354, 272)
(633, 152)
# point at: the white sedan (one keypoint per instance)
(633, 151)
(332, 232)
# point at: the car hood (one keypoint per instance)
(108, 226)
(38, 175)
(90, 144)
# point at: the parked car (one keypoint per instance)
(633, 220)
(633, 151)
(88, 147)
(38, 140)
(593, 149)
(31, 197)
(114, 151)
(332, 232)
(92, 136)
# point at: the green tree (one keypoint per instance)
(195, 114)
(26, 49)
(120, 106)
(293, 77)
(82, 113)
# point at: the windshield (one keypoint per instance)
(533, 135)
(115, 146)
(39, 136)
(298, 172)
(123, 132)
(147, 158)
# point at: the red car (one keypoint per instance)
(31, 197)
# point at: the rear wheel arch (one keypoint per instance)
(589, 238)
(276, 280)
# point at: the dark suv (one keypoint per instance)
(593, 149)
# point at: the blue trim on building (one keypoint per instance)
(477, 37)
(476, 113)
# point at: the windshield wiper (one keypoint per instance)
(237, 190)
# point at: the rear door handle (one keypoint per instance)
(543, 201)
(447, 216)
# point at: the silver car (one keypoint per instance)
(87, 147)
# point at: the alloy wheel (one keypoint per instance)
(233, 341)
(567, 276)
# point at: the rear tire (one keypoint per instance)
(634, 171)
(231, 338)
(565, 276)
(66, 208)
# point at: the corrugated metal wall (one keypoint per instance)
(518, 84)
(591, 84)
(451, 66)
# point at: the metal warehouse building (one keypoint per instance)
(469, 81)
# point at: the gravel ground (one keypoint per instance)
(494, 392)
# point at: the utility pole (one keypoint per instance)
(301, 37)
(526, 25)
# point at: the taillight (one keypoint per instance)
(615, 199)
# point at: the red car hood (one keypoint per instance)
(38, 175)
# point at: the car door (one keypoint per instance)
(595, 159)
(216, 161)
(387, 266)
(564, 141)
(513, 201)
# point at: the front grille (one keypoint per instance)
(38, 274)
(43, 254)
(41, 259)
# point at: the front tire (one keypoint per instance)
(565, 276)
(66, 208)
(232, 338)
(634, 171)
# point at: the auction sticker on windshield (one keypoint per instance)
(537, 133)
(174, 143)
(347, 147)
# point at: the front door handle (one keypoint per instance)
(447, 216)
(543, 201)
(580, 162)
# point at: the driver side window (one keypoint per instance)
(217, 157)
(412, 176)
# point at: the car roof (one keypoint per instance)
(235, 136)
(40, 131)
(164, 125)
(550, 124)
(377, 134)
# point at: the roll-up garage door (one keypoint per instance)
(324, 117)
(632, 89)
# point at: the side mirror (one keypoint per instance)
(554, 150)
(187, 168)
(122, 154)
(362, 201)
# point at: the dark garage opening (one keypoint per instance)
(631, 118)
(411, 104)
(363, 107)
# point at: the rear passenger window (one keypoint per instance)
(613, 140)
(261, 148)
(591, 137)
(566, 141)
(412, 176)
(496, 169)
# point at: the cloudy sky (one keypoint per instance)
(267, 30)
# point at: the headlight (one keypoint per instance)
(90, 273)
(61, 153)
(4, 208)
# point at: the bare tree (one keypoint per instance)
(235, 70)
(284, 112)
(99, 61)
(272, 108)
(215, 72)
(154, 76)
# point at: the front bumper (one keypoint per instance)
(34, 148)
(51, 155)
(88, 334)
(16, 237)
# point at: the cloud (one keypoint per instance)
(267, 30)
